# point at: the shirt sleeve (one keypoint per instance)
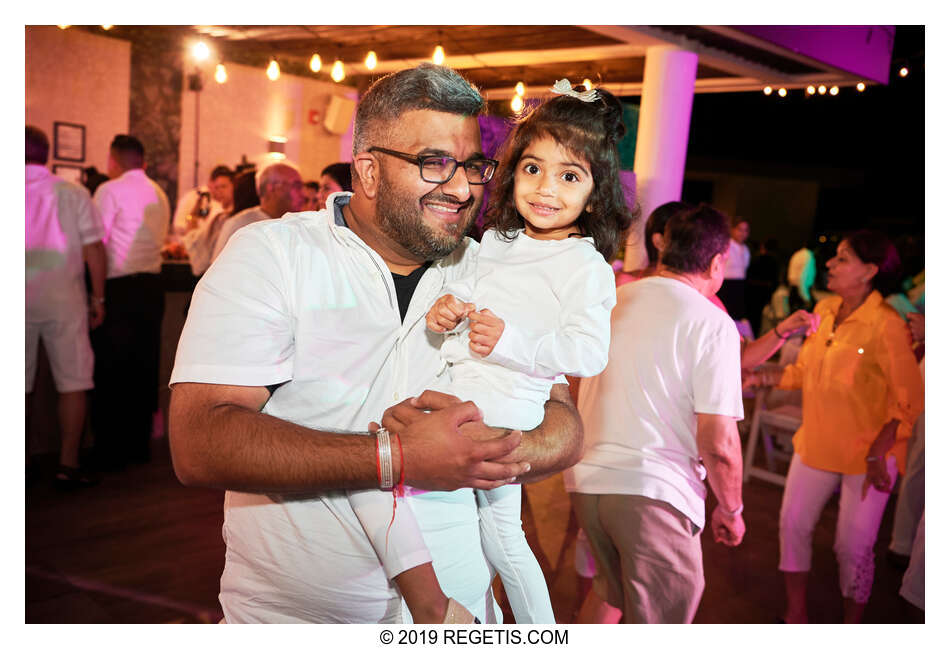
(579, 343)
(392, 529)
(239, 329)
(87, 218)
(905, 387)
(108, 209)
(717, 374)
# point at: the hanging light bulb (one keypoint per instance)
(220, 74)
(587, 84)
(337, 73)
(904, 72)
(822, 90)
(315, 63)
(64, 26)
(107, 27)
(517, 104)
(273, 70)
(200, 51)
(767, 90)
(438, 55)
(371, 60)
(519, 89)
(861, 86)
(810, 90)
(833, 91)
(782, 92)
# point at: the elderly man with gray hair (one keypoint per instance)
(659, 421)
(309, 328)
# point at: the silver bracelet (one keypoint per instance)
(385, 458)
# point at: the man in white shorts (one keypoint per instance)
(63, 232)
(306, 329)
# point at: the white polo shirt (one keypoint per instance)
(672, 354)
(301, 301)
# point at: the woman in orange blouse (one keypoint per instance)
(861, 393)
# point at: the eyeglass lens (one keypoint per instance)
(439, 169)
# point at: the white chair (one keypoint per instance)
(776, 416)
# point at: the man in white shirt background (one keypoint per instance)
(63, 232)
(280, 189)
(657, 422)
(135, 215)
(732, 292)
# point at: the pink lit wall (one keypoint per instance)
(864, 50)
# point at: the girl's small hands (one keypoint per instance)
(484, 331)
(447, 312)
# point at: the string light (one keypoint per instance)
(767, 90)
(64, 26)
(371, 60)
(822, 90)
(810, 90)
(200, 51)
(107, 27)
(861, 86)
(904, 72)
(315, 63)
(587, 84)
(517, 104)
(220, 74)
(519, 89)
(337, 73)
(834, 90)
(273, 70)
(782, 92)
(438, 55)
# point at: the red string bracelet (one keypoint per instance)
(399, 489)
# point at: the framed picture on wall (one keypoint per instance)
(69, 141)
(72, 173)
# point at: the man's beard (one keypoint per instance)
(401, 219)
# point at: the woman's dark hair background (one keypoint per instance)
(693, 236)
(656, 223)
(591, 130)
(340, 172)
(245, 193)
(873, 247)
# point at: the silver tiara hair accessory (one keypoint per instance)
(563, 87)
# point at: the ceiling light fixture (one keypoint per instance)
(822, 90)
(834, 90)
(220, 74)
(587, 84)
(517, 104)
(782, 92)
(273, 70)
(810, 90)
(767, 90)
(337, 73)
(519, 89)
(315, 63)
(200, 51)
(861, 86)
(371, 60)
(438, 55)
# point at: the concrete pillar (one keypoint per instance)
(669, 77)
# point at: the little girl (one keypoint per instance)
(536, 308)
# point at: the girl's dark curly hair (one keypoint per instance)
(591, 130)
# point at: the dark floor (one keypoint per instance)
(142, 548)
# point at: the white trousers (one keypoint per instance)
(508, 552)
(807, 491)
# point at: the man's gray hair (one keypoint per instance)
(267, 175)
(426, 86)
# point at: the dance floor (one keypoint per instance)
(142, 548)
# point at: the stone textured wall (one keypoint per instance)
(155, 103)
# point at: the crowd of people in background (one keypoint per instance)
(690, 336)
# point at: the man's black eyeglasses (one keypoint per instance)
(440, 169)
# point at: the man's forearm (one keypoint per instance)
(721, 453)
(234, 446)
(557, 443)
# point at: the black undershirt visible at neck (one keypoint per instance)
(406, 286)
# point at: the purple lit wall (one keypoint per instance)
(864, 50)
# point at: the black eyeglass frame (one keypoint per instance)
(420, 161)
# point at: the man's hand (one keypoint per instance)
(97, 312)
(484, 332)
(447, 312)
(727, 529)
(439, 456)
